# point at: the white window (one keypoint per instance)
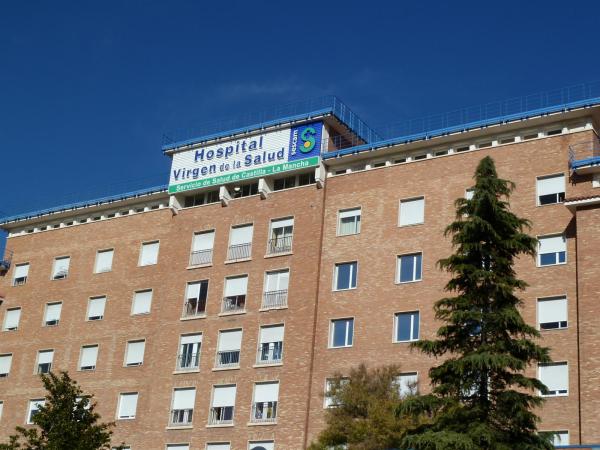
(412, 211)
(469, 193)
(556, 378)
(264, 407)
(240, 242)
(96, 308)
(407, 326)
(178, 447)
(104, 260)
(44, 361)
(552, 250)
(127, 405)
(5, 363)
(329, 400)
(228, 350)
(222, 405)
(349, 221)
(341, 333)
(134, 355)
(551, 189)
(189, 352)
(276, 286)
(149, 253)
(11, 319)
(218, 446)
(202, 248)
(409, 268)
(270, 344)
(34, 407)
(20, 274)
(261, 445)
(88, 357)
(142, 301)
(281, 235)
(52, 314)
(552, 313)
(195, 298)
(60, 268)
(235, 293)
(345, 276)
(407, 384)
(560, 437)
(182, 409)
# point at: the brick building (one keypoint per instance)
(210, 313)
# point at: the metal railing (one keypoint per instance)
(270, 353)
(239, 251)
(584, 153)
(6, 261)
(264, 412)
(200, 257)
(275, 299)
(194, 307)
(229, 358)
(234, 303)
(221, 415)
(188, 361)
(181, 417)
(280, 245)
(20, 281)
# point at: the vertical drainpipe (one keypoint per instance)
(578, 330)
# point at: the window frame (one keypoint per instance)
(537, 312)
(121, 394)
(131, 341)
(79, 367)
(406, 200)
(154, 241)
(399, 267)
(139, 291)
(104, 250)
(5, 319)
(335, 276)
(554, 363)
(395, 327)
(53, 274)
(87, 311)
(538, 256)
(332, 332)
(339, 221)
(537, 190)
(45, 321)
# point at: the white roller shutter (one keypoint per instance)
(553, 244)
(282, 223)
(407, 383)
(230, 340)
(89, 355)
(5, 363)
(184, 398)
(555, 376)
(236, 286)
(218, 447)
(551, 185)
(266, 392)
(45, 357)
(241, 235)
(277, 281)
(268, 445)
(271, 334)
(149, 254)
(135, 352)
(104, 261)
(96, 307)
(552, 310)
(21, 271)
(61, 267)
(412, 211)
(203, 241)
(128, 405)
(191, 339)
(142, 302)
(223, 396)
(12, 318)
(53, 312)
(178, 447)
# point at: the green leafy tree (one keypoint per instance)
(362, 415)
(481, 398)
(67, 420)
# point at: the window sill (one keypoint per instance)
(179, 372)
(407, 282)
(140, 314)
(199, 316)
(549, 204)
(344, 290)
(179, 427)
(275, 255)
(405, 342)
(221, 369)
(408, 225)
(272, 309)
(257, 366)
(340, 347)
(233, 261)
(261, 424)
(347, 234)
(221, 425)
(199, 266)
(551, 265)
(231, 313)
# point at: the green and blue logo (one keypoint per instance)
(305, 141)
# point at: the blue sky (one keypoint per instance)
(87, 89)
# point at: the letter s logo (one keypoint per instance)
(308, 137)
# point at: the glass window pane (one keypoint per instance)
(403, 327)
(343, 276)
(418, 261)
(406, 268)
(339, 333)
(415, 324)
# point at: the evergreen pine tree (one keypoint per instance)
(67, 420)
(481, 398)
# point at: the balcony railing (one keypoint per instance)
(584, 157)
(181, 417)
(194, 307)
(188, 361)
(269, 353)
(234, 303)
(6, 261)
(221, 415)
(200, 257)
(264, 412)
(239, 251)
(280, 245)
(275, 299)
(229, 358)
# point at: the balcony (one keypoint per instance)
(264, 412)
(221, 415)
(188, 361)
(194, 307)
(5, 262)
(181, 417)
(234, 303)
(227, 359)
(201, 257)
(239, 251)
(269, 353)
(275, 299)
(584, 157)
(280, 245)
